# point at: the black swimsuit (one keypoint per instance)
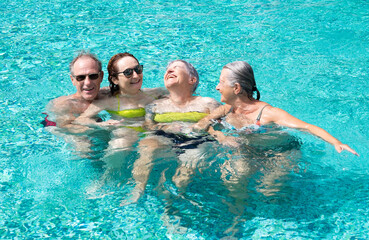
(184, 142)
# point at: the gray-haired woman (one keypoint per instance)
(243, 112)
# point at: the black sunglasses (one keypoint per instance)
(129, 71)
(92, 76)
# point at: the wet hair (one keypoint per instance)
(242, 73)
(82, 54)
(112, 70)
(191, 71)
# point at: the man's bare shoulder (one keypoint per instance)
(62, 101)
(69, 103)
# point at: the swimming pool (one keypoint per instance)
(309, 57)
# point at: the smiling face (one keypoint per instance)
(177, 75)
(89, 87)
(131, 84)
(224, 86)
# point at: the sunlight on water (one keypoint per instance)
(309, 58)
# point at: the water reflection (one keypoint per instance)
(218, 187)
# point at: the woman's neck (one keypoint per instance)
(179, 98)
(244, 105)
(129, 94)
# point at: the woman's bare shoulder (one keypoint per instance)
(205, 100)
(273, 114)
(157, 93)
(161, 102)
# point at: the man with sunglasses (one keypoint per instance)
(86, 75)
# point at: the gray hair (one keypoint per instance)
(191, 71)
(242, 73)
(81, 54)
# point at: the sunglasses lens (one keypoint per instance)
(93, 76)
(128, 72)
(138, 69)
(80, 77)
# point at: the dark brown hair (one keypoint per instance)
(112, 70)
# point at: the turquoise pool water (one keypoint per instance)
(309, 57)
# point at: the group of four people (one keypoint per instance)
(171, 117)
(171, 110)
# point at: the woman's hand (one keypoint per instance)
(203, 125)
(223, 139)
(340, 147)
(199, 127)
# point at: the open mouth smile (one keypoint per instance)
(88, 89)
(135, 81)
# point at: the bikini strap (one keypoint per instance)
(230, 110)
(225, 116)
(259, 116)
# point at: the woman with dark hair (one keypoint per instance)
(126, 106)
(127, 102)
(245, 113)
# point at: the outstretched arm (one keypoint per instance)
(206, 122)
(281, 117)
(223, 139)
(87, 118)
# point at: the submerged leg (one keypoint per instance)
(142, 166)
(116, 157)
